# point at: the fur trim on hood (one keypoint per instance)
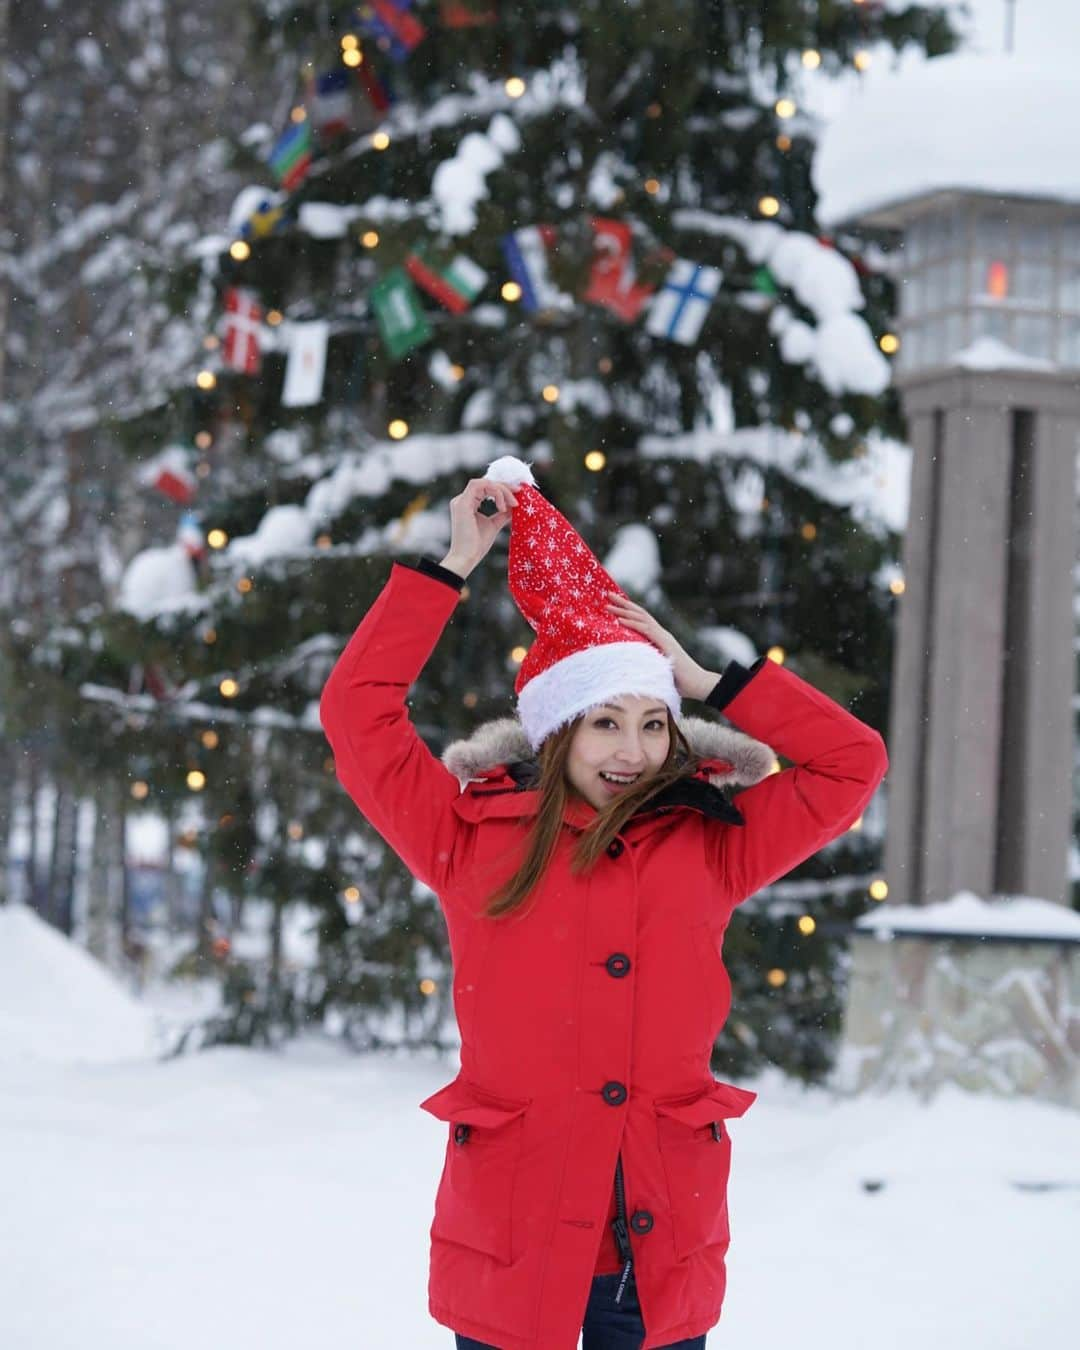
(735, 759)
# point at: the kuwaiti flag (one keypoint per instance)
(456, 286)
(305, 364)
(679, 307)
(526, 253)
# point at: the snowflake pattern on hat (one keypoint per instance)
(582, 655)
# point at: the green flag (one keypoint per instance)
(400, 316)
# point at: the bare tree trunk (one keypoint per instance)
(8, 759)
(61, 876)
(5, 223)
(99, 891)
(205, 935)
(34, 889)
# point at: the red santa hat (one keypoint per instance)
(582, 655)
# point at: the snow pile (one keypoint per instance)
(634, 558)
(990, 353)
(967, 915)
(327, 220)
(57, 1003)
(158, 579)
(874, 486)
(967, 122)
(460, 183)
(283, 531)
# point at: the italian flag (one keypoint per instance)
(456, 286)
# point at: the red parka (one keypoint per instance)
(587, 1018)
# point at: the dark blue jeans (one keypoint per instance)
(608, 1325)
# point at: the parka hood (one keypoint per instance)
(730, 758)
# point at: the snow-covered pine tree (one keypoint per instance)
(478, 205)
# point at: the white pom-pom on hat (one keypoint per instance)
(510, 469)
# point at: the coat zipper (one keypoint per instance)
(622, 1231)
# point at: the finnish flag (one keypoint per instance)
(679, 307)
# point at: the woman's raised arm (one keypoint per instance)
(399, 785)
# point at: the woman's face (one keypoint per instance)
(627, 738)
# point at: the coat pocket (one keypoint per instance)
(474, 1205)
(696, 1152)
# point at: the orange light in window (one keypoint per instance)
(997, 280)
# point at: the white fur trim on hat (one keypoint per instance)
(590, 676)
(510, 469)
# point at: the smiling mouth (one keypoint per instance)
(619, 780)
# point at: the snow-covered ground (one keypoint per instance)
(268, 1201)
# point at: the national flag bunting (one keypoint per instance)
(290, 158)
(456, 285)
(265, 220)
(190, 535)
(330, 102)
(305, 365)
(170, 474)
(399, 313)
(380, 93)
(612, 281)
(393, 26)
(679, 308)
(455, 14)
(526, 254)
(243, 320)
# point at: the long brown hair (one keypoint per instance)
(555, 790)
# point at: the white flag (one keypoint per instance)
(306, 363)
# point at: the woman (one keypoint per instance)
(587, 865)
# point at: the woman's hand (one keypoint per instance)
(691, 680)
(472, 534)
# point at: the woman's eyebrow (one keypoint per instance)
(616, 707)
